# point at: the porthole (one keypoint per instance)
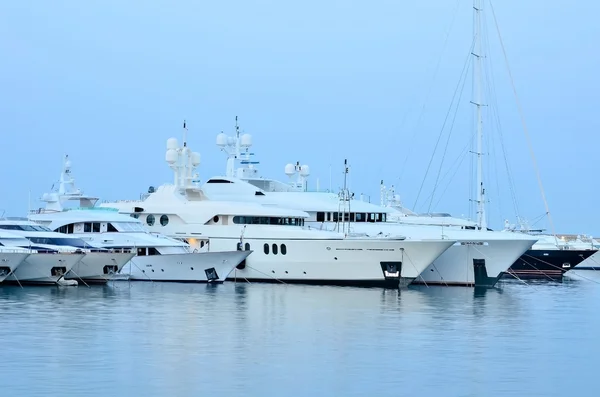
(274, 249)
(266, 249)
(283, 249)
(216, 219)
(136, 216)
(247, 246)
(164, 220)
(150, 220)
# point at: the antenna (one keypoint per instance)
(478, 55)
(184, 134)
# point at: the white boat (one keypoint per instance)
(96, 265)
(150, 256)
(10, 258)
(478, 257)
(284, 250)
(45, 263)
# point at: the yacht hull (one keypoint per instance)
(44, 268)
(98, 267)
(9, 262)
(460, 264)
(546, 264)
(350, 261)
(201, 267)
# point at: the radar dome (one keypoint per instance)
(290, 169)
(45, 197)
(195, 159)
(305, 171)
(230, 140)
(171, 156)
(172, 143)
(246, 140)
(68, 164)
(222, 140)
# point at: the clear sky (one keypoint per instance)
(109, 81)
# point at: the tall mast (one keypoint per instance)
(477, 77)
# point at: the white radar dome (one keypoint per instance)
(68, 164)
(45, 197)
(246, 140)
(290, 169)
(172, 143)
(230, 140)
(397, 197)
(305, 170)
(195, 159)
(171, 156)
(222, 140)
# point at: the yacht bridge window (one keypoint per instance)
(73, 242)
(26, 228)
(351, 216)
(267, 220)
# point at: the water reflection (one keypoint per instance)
(240, 338)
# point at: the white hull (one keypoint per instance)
(455, 266)
(9, 262)
(44, 268)
(352, 261)
(98, 267)
(189, 267)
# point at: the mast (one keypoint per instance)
(477, 71)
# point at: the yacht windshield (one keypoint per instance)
(26, 228)
(128, 226)
(73, 242)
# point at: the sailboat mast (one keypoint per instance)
(477, 77)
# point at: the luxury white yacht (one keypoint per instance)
(284, 250)
(81, 261)
(46, 263)
(157, 257)
(10, 257)
(477, 258)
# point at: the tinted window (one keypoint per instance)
(266, 248)
(274, 249)
(73, 242)
(283, 249)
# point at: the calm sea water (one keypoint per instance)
(162, 339)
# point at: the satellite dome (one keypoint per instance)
(222, 140)
(246, 140)
(172, 143)
(290, 169)
(171, 156)
(305, 170)
(195, 159)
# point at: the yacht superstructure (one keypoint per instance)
(284, 250)
(150, 256)
(478, 257)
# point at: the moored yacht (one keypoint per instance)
(45, 263)
(153, 257)
(10, 258)
(550, 258)
(477, 258)
(284, 249)
(79, 260)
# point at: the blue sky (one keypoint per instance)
(109, 81)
